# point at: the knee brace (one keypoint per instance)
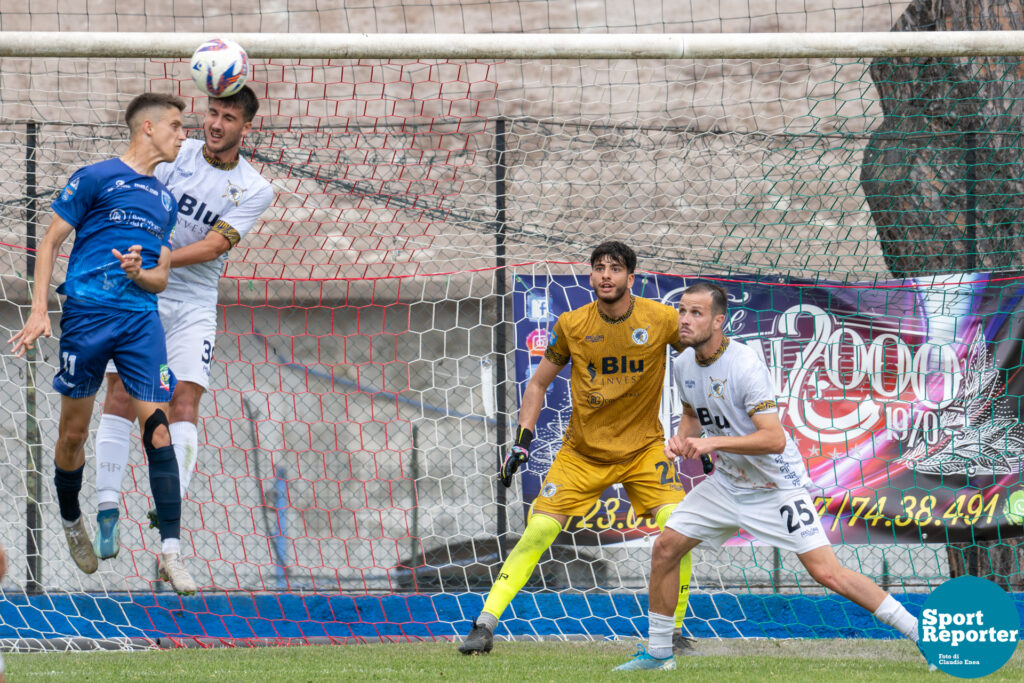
(155, 420)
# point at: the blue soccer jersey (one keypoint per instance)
(112, 206)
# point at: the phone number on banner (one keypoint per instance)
(922, 511)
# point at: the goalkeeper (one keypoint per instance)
(617, 348)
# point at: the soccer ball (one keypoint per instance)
(219, 67)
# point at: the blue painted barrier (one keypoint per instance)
(233, 616)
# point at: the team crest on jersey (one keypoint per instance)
(234, 193)
(640, 336)
(717, 388)
(549, 490)
(165, 377)
(166, 200)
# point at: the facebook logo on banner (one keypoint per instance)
(538, 308)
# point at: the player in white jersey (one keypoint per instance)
(759, 482)
(220, 197)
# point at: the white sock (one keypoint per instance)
(185, 437)
(659, 634)
(892, 613)
(113, 446)
(171, 545)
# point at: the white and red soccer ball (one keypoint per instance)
(219, 67)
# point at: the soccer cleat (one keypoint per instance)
(107, 543)
(642, 661)
(480, 640)
(154, 521)
(172, 570)
(681, 645)
(80, 546)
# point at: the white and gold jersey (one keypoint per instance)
(227, 199)
(724, 393)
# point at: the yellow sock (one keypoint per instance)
(685, 569)
(540, 533)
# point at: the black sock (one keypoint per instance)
(166, 489)
(68, 484)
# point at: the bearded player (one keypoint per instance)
(220, 196)
(759, 482)
(617, 345)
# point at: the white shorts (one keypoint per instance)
(190, 331)
(784, 518)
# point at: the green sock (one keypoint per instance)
(685, 569)
(540, 533)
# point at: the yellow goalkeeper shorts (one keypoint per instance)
(573, 483)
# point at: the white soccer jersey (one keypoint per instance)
(228, 201)
(725, 394)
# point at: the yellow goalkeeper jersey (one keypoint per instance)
(618, 371)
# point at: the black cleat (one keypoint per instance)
(681, 645)
(479, 641)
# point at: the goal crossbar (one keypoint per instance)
(524, 46)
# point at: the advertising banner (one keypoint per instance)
(904, 398)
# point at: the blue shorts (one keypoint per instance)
(91, 335)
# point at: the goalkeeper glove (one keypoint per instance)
(518, 455)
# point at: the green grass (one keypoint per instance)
(821, 661)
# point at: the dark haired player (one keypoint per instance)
(617, 345)
(219, 197)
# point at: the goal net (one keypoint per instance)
(433, 215)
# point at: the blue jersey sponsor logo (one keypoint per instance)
(112, 206)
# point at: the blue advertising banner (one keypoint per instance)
(904, 398)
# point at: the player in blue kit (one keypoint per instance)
(122, 217)
(220, 197)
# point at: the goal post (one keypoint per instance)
(525, 46)
(437, 198)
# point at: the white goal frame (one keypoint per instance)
(523, 45)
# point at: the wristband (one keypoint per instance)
(524, 437)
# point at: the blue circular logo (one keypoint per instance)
(969, 627)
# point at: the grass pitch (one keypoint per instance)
(511, 662)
